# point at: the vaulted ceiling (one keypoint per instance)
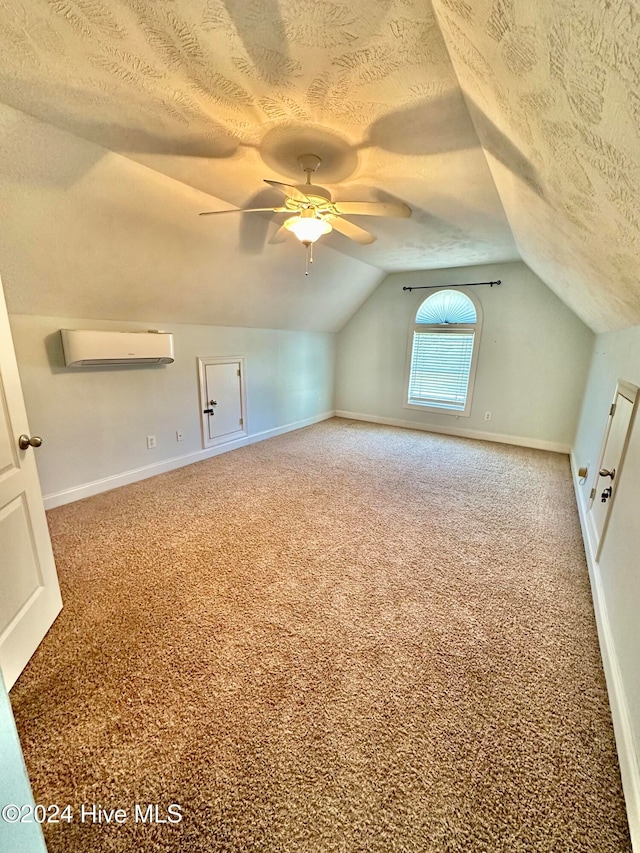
(510, 128)
(553, 88)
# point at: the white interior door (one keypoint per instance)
(222, 399)
(611, 459)
(29, 592)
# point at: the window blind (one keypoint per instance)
(440, 366)
(447, 306)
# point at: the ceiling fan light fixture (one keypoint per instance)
(307, 226)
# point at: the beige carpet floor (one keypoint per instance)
(348, 638)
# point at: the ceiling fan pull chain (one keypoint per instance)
(309, 260)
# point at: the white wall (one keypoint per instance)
(532, 367)
(617, 574)
(94, 421)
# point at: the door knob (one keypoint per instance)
(213, 402)
(25, 441)
(604, 472)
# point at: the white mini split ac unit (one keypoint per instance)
(85, 348)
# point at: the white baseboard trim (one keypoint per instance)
(627, 756)
(87, 490)
(536, 443)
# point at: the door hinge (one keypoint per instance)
(592, 494)
(612, 410)
(241, 421)
(238, 371)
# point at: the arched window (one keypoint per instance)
(443, 350)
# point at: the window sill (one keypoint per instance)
(438, 410)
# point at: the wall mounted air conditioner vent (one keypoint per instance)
(86, 348)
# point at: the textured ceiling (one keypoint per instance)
(222, 94)
(553, 89)
(87, 233)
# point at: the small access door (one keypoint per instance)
(222, 399)
(29, 592)
(611, 460)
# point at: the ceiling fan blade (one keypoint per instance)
(279, 236)
(245, 210)
(354, 232)
(288, 190)
(374, 208)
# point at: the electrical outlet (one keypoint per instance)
(151, 442)
(179, 435)
(487, 416)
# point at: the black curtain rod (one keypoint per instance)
(475, 284)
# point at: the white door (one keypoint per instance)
(222, 400)
(29, 592)
(611, 459)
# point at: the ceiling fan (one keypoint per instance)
(313, 213)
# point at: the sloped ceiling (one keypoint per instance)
(553, 88)
(99, 236)
(223, 94)
(219, 95)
